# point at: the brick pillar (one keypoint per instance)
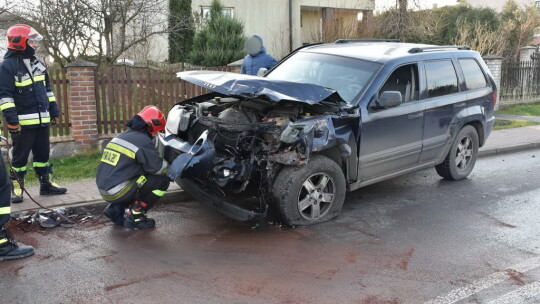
(82, 105)
(494, 64)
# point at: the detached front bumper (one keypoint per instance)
(192, 163)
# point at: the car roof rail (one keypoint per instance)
(439, 48)
(365, 40)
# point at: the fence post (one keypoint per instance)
(82, 99)
(494, 64)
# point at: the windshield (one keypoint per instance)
(348, 76)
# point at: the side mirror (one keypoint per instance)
(389, 99)
(262, 72)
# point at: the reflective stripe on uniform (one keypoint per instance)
(135, 212)
(163, 168)
(159, 192)
(40, 165)
(125, 144)
(5, 210)
(34, 121)
(118, 148)
(51, 97)
(34, 118)
(19, 169)
(141, 181)
(24, 83)
(6, 103)
(2, 241)
(117, 191)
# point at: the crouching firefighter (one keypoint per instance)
(29, 107)
(131, 174)
(9, 249)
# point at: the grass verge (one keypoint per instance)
(509, 124)
(532, 109)
(68, 169)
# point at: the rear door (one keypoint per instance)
(445, 103)
(392, 138)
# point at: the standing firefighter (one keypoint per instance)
(29, 107)
(131, 172)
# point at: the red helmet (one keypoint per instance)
(154, 118)
(18, 34)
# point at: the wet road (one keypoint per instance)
(407, 240)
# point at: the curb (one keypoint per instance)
(509, 149)
(98, 205)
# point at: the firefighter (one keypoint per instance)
(131, 174)
(9, 249)
(29, 107)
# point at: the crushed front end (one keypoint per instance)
(226, 150)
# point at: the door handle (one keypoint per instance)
(459, 105)
(415, 116)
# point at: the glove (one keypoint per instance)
(14, 129)
(54, 121)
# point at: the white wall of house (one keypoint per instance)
(383, 5)
(270, 19)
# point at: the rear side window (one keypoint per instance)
(441, 78)
(474, 77)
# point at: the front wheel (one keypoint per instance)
(461, 158)
(310, 194)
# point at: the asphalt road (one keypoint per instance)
(407, 240)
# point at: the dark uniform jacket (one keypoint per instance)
(26, 97)
(125, 159)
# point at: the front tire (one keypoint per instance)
(462, 156)
(310, 194)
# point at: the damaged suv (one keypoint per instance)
(327, 119)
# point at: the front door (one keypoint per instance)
(391, 139)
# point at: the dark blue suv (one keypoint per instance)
(327, 119)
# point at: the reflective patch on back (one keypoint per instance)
(110, 157)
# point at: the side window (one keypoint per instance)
(474, 77)
(404, 80)
(441, 78)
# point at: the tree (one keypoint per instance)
(180, 41)
(100, 30)
(220, 41)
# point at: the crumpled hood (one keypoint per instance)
(248, 86)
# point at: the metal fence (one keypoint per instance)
(520, 80)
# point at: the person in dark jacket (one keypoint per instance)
(29, 107)
(257, 57)
(131, 174)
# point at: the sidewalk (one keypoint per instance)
(85, 191)
(79, 192)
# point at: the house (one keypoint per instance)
(288, 24)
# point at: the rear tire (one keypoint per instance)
(462, 156)
(310, 194)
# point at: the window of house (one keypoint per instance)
(227, 11)
(474, 77)
(404, 80)
(441, 78)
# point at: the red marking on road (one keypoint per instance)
(405, 260)
(516, 276)
(135, 281)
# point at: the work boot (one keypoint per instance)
(115, 212)
(10, 250)
(136, 217)
(46, 187)
(17, 186)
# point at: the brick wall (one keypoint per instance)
(494, 64)
(82, 98)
